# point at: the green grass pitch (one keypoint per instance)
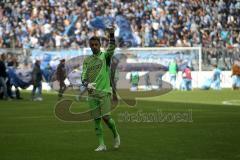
(30, 131)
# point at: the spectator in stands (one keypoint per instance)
(36, 23)
(37, 81)
(66, 24)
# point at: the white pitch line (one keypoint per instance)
(231, 102)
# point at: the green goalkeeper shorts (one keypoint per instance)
(100, 105)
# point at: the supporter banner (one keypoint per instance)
(20, 77)
(52, 58)
(126, 36)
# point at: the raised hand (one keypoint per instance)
(111, 31)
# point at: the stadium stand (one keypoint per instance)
(67, 23)
(213, 25)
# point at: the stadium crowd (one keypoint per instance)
(68, 24)
(160, 23)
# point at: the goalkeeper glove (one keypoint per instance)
(91, 86)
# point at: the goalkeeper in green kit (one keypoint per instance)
(96, 78)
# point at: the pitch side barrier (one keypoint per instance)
(151, 64)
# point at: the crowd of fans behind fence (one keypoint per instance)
(162, 23)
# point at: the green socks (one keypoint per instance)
(99, 131)
(111, 124)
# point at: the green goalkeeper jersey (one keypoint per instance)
(96, 69)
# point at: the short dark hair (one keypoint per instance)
(94, 38)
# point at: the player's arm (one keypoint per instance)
(84, 74)
(112, 45)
